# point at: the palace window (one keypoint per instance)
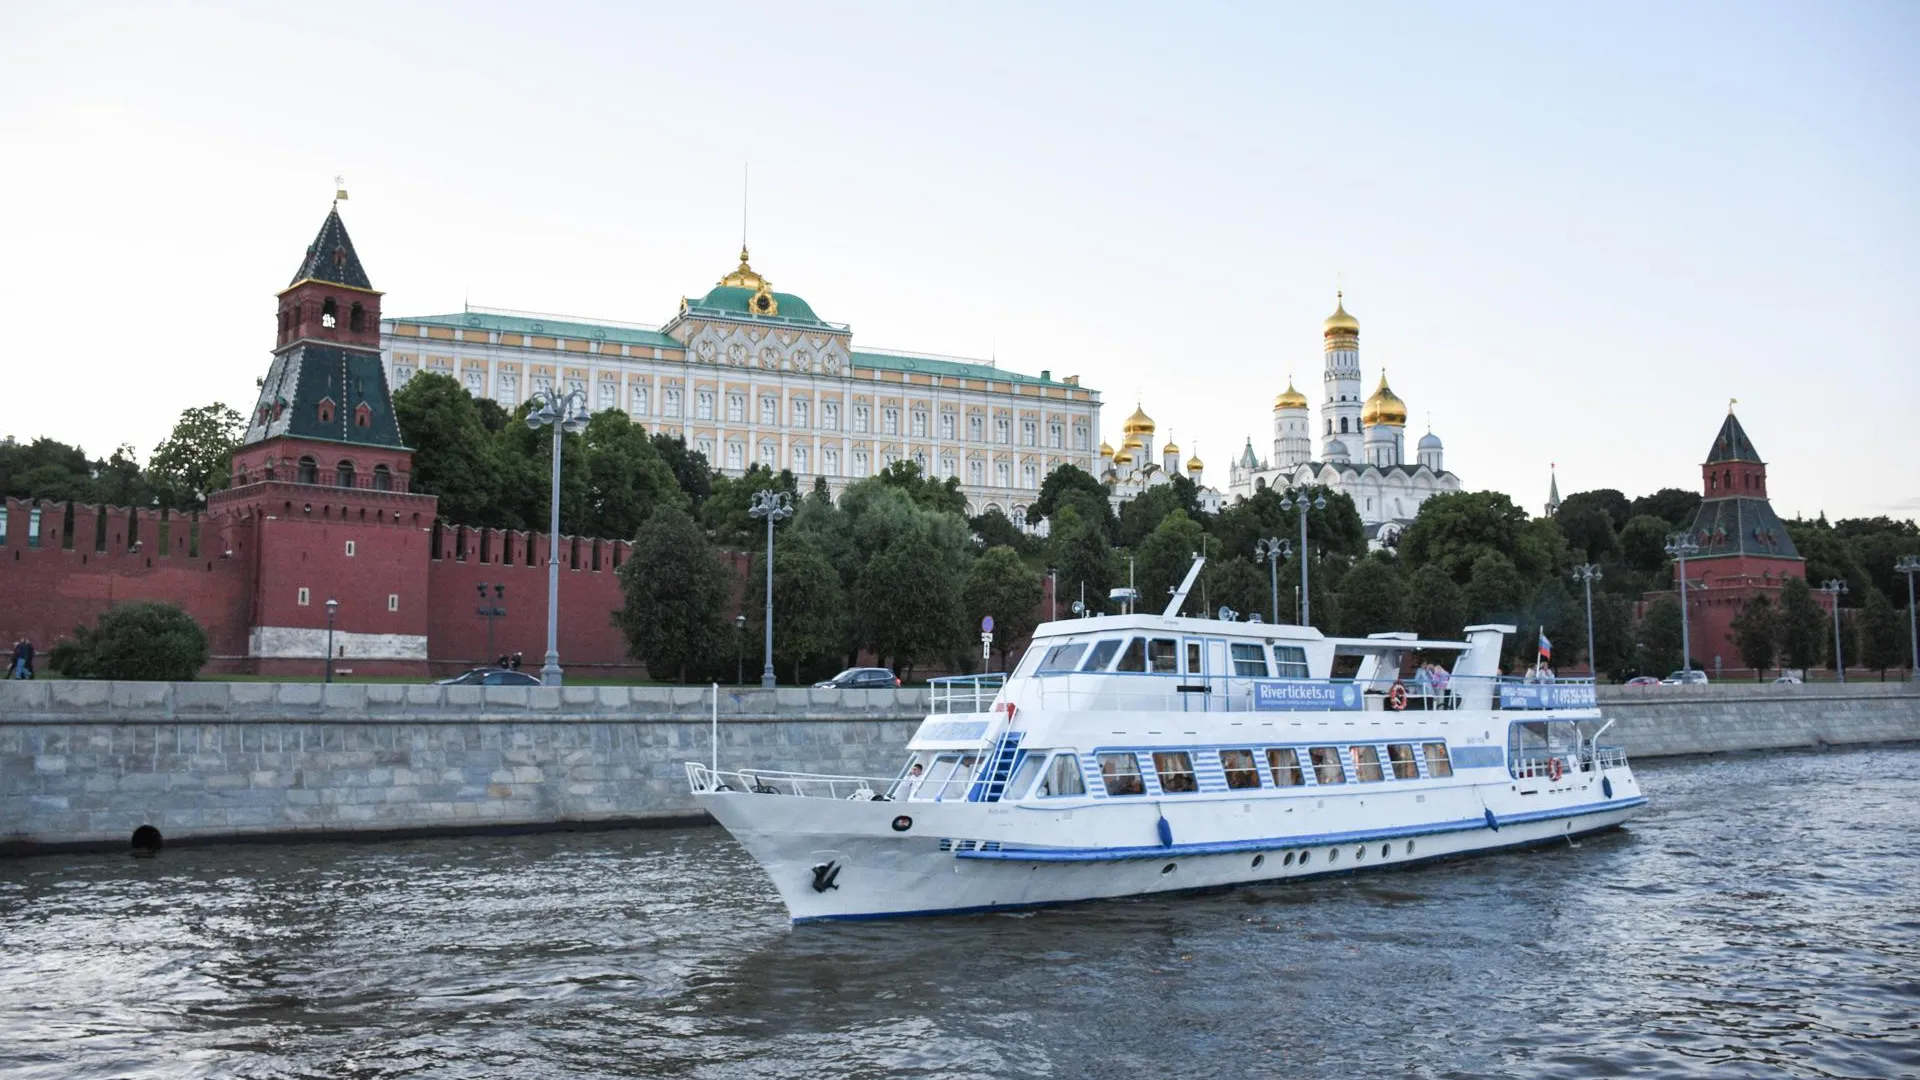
(769, 455)
(830, 415)
(639, 401)
(799, 459)
(577, 386)
(919, 423)
(543, 385)
(736, 408)
(976, 428)
(800, 412)
(859, 463)
(476, 382)
(946, 426)
(704, 445)
(1029, 476)
(1054, 436)
(860, 418)
(1028, 432)
(769, 410)
(1081, 437)
(703, 405)
(889, 421)
(506, 388)
(609, 396)
(1002, 429)
(830, 458)
(736, 454)
(1002, 474)
(949, 468)
(401, 374)
(976, 473)
(672, 403)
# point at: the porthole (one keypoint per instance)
(1333, 854)
(1386, 851)
(1304, 856)
(1167, 869)
(1409, 847)
(1259, 861)
(1360, 853)
(1288, 861)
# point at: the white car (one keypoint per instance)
(1685, 678)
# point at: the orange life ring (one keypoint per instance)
(1553, 768)
(1397, 697)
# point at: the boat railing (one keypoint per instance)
(1537, 763)
(965, 693)
(775, 782)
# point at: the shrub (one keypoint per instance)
(149, 641)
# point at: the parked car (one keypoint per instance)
(491, 676)
(1685, 678)
(1787, 680)
(1643, 680)
(862, 678)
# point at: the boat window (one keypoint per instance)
(1290, 661)
(1193, 659)
(927, 786)
(1135, 658)
(1240, 769)
(1438, 763)
(1404, 767)
(1029, 661)
(951, 784)
(1249, 660)
(1121, 774)
(1063, 657)
(1062, 778)
(1284, 764)
(1022, 778)
(1176, 771)
(1101, 655)
(1163, 656)
(1326, 765)
(1366, 764)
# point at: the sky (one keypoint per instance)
(1571, 232)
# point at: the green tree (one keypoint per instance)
(1243, 585)
(690, 467)
(1001, 585)
(1756, 634)
(1643, 543)
(908, 603)
(1588, 529)
(1455, 529)
(809, 605)
(1162, 560)
(725, 510)
(1606, 500)
(1613, 638)
(453, 453)
(1660, 636)
(1494, 592)
(1876, 544)
(929, 492)
(144, 640)
(994, 529)
(119, 480)
(673, 590)
(626, 478)
(1078, 549)
(1062, 479)
(1675, 506)
(1373, 597)
(1142, 514)
(1802, 625)
(1435, 607)
(194, 460)
(1555, 612)
(45, 469)
(1883, 639)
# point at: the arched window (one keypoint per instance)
(357, 318)
(309, 471)
(382, 478)
(329, 314)
(343, 474)
(1343, 425)
(324, 411)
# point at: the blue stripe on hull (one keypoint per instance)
(1230, 847)
(983, 909)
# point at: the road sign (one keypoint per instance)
(986, 625)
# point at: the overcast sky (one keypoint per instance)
(1570, 232)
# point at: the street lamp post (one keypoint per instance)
(563, 413)
(1271, 551)
(490, 612)
(1835, 588)
(1910, 565)
(1053, 594)
(332, 606)
(775, 506)
(739, 650)
(1679, 547)
(1587, 574)
(1288, 502)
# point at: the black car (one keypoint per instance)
(863, 678)
(492, 676)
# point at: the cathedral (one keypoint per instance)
(1362, 443)
(1131, 470)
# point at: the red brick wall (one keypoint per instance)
(589, 643)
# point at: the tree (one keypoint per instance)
(1435, 607)
(1063, 479)
(1883, 641)
(908, 603)
(994, 529)
(1803, 625)
(453, 453)
(1588, 529)
(44, 469)
(809, 606)
(119, 480)
(1078, 549)
(1643, 543)
(1163, 559)
(1613, 636)
(194, 460)
(145, 640)
(1660, 635)
(673, 589)
(1494, 592)
(724, 512)
(1756, 634)
(690, 467)
(1373, 597)
(1455, 529)
(1142, 514)
(1606, 500)
(1000, 585)
(1675, 506)
(927, 491)
(1243, 585)
(626, 478)
(1554, 612)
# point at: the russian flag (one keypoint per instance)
(1546, 647)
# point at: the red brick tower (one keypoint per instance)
(319, 507)
(1744, 548)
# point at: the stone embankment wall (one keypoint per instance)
(87, 763)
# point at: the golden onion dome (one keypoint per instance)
(1384, 407)
(1292, 399)
(1340, 321)
(1124, 457)
(1194, 464)
(1139, 423)
(1106, 448)
(1170, 448)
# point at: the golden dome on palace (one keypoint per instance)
(1194, 464)
(1292, 399)
(1340, 321)
(1384, 407)
(1139, 423)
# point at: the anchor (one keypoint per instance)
(825, 876)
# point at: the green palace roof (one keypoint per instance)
(733, 300)
(544, 326)
(955, 369)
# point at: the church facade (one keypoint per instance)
(1359, 448)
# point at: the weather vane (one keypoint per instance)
(339, 188)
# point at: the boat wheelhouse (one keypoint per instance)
(1140, 753)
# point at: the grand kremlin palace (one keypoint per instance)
(748, 375)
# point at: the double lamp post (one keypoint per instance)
(563, 413)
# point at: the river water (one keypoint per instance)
(1761, 919)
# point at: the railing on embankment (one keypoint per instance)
(88, 763)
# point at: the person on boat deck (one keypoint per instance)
(911, 782)
(1423, 681)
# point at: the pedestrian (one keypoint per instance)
(13, 660)
(516, 661)
(23, 659)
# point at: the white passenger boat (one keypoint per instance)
(1135, 754)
